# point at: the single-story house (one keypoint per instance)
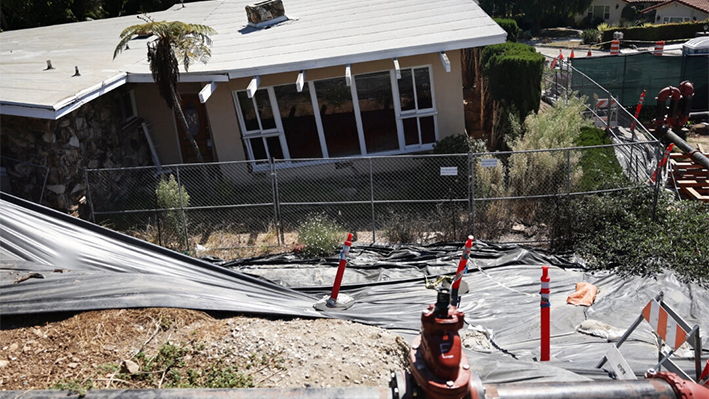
(610, 11)
(679, 11)
(326, 79)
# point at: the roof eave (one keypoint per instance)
(65, 106)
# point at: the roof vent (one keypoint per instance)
(266, 13)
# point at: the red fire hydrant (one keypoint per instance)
(439, 365)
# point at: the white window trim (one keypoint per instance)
(133, 106)
(398, 113)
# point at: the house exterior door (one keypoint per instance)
(196, 115)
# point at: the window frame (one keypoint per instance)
(262, 133)
(400, 116)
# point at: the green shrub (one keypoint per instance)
(684, 30)
(599, 165)
(173, 197)
(510, 26)
(320, 236)
(459, 143)
(590, 36)
(626, 232)
(503, 61)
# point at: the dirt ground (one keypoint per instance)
(167, 348)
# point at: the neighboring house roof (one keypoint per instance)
(701, 5)
(319, 33)
(644, 1)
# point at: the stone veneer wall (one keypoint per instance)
(91, 137)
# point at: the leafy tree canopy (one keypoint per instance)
(534, 12)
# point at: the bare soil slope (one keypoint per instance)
(167, 348)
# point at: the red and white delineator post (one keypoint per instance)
(462, 269)
(637, 111)
(662, 162)
(345, 301)
(545, 306)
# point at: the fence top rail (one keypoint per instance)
(26, 163)
(651, 142)
(319, 161)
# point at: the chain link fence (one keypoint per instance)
(23, 179)
(206, 209)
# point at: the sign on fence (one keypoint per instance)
(488, 163)
(449, 171)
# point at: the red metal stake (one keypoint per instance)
(637, 111)
(455, 299)
(545, 305)
(332, 301)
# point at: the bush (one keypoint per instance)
(459, 143)
(599, 165)
(168, 194)
(320, 236)
(625, 231)
(502, 61)
(590, 36)
(684, 30)
(510, 26)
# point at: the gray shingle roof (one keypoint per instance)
(318, 33)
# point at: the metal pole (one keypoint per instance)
(371, 198)
(568, 171)
(44, 185)
(276, 202)
(657, 187)
(88, 195)
(182, 208)
(472, 194)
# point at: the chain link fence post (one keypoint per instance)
(276, 204)
(471, 196)
(88, 195)
(182, 209)
(371, 196)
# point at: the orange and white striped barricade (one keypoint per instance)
(659, 47)
(673, 330)
(611, 106)
(615, 47)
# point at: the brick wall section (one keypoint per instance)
(92, 136)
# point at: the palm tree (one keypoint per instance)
(174, 42)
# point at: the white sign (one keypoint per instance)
(449, 171)
(619, 365)
(488, 163)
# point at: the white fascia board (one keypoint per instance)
(397, 69)
(365, 57)
(184, 77)
(207, 91)
(348, 75)
(67, 105)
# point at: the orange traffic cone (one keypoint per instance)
(589, 53)
(572, 53)
(561, 55)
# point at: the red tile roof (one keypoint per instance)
(701, 5)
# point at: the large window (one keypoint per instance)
(338, 117)
(377, 114)
(298, 119)
(603, 12)
(376, 107)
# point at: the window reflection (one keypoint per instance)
(338, 118)
(301, 131)
(376, 107)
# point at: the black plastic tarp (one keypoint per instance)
(87, 267)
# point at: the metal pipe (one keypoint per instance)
(688, 149)
(262, 393)
(645, 389)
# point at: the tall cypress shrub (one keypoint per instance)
(514, 74)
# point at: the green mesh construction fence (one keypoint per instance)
(626, 76)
